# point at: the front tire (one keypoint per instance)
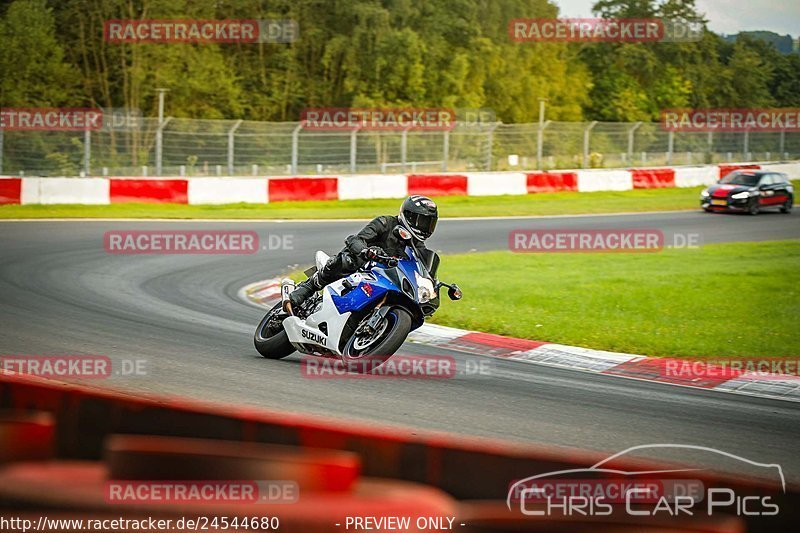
(386, 344)
(754, 208)
(270, 339)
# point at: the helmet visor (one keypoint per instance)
(424, 224)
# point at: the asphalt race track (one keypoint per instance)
(61, 293)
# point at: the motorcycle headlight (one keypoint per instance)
(741, 195)
(704, 194)
(425, 290)
(424, 295)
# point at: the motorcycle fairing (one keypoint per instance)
(354, 293)
(307, 332)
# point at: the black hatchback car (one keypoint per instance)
(749, 191)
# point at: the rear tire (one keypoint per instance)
(269, 341)
(754, 208)
(786, 208)
(397, 331)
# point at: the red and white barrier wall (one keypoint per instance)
(225, 190)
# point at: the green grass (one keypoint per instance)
(453, 206)
(722, 300)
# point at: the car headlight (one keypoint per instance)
(741, 195)
(425, 290)
(704, 194)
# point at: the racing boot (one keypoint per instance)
(330, 272)
(303, 291)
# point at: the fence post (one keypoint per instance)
(540, 143)
(353, 149)
(445, 150)
(490, 146)
(747, 145)
(780, 152)
(230, 146)
(670, 146)
(160, 144)
(87, 152)
(710, 158)
(1, 151)
(404, 149)
(586, 143)
(631, 133)
(295, 143)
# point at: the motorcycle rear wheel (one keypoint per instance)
(271, 342)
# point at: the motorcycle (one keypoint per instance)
(367, 314)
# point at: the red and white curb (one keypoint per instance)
(268, 189)
(264, 294)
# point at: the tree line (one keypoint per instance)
(436, 53)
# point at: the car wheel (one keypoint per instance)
(754, 207)
(787, 206)
(708, 210)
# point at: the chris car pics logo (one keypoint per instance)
(604, 489)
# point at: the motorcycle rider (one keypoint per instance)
(381, 237)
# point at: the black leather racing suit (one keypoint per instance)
(379, 232)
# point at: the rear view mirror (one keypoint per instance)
(403, 233)
(454, 292)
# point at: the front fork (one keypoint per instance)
(375, 320)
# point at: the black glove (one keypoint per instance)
(373, 252)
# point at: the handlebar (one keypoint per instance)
(387, 260)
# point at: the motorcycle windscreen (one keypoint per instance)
(431, 261)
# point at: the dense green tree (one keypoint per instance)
(442, 53)
(32, 64)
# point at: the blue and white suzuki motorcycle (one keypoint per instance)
(369, 313)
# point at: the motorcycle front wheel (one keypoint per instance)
(381, 344)
(270, 339)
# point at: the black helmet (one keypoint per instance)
(419, 215)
